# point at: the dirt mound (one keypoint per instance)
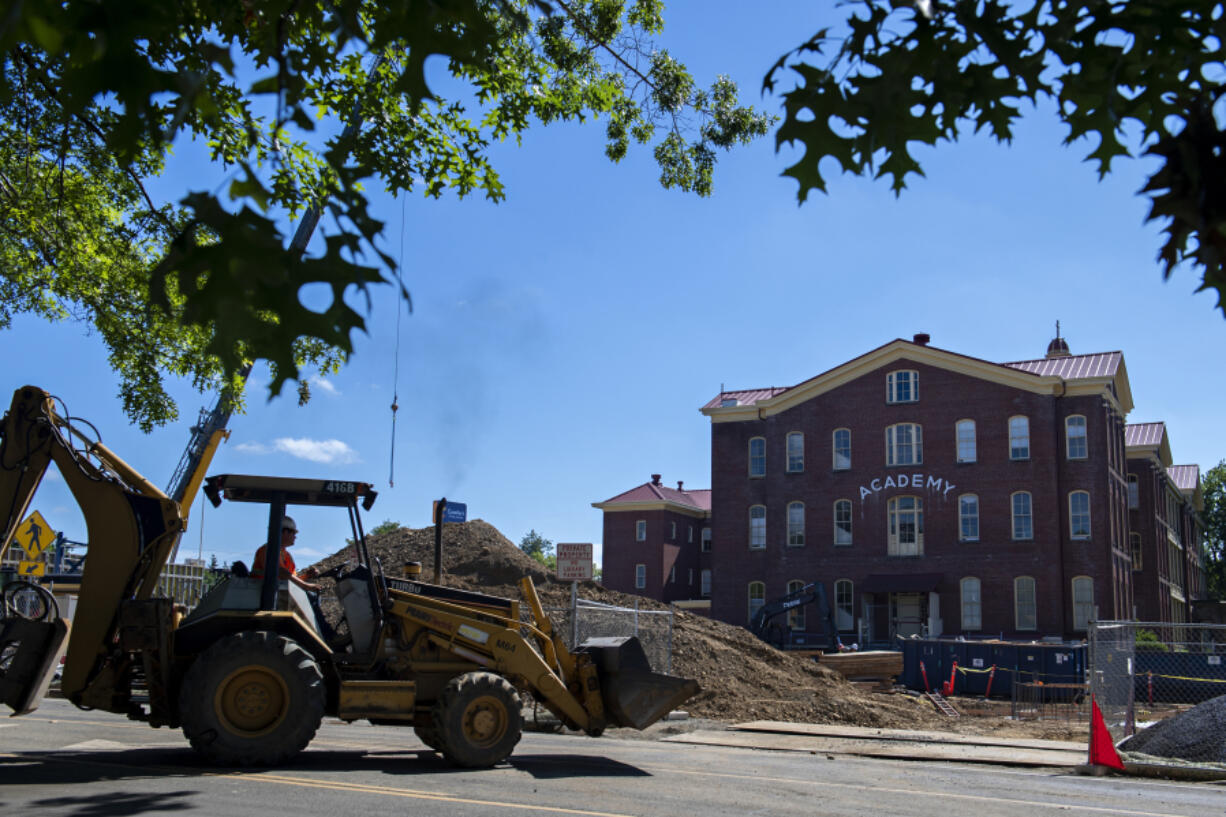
(1196, 735)
(742, 678)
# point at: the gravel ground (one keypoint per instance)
(1197, 735)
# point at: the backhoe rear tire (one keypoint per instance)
(478, 719)
(252, 699)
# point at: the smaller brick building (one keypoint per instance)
(657, 541)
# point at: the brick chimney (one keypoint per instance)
(679, 484)
(655, 479)
(921, 339)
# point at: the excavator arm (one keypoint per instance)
(131, 527)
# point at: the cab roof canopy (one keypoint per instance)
(290, 490)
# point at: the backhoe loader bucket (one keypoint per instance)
(633, 695)
(29, 654)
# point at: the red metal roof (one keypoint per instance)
(746, 397)
(1074, 367)
(1144, 434)
(1185, 477)
(699, 498)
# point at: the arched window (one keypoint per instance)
(1025, 605)
(844, 612)
(964, 431)
(757, 598)
(906, 525)
(972, 605)
(904, 444)
(968, 518)
(796, 524)
(842, 449)
(1075, 437)
(1083, 602)
(902, 386)
(796, 616)
(1019, 438)
(757, 457)
(1079, 514)
(1023, 518)
(757, 527)
(842, 522)
(796, 452)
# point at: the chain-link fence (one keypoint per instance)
(591, 619)
(1143, 673)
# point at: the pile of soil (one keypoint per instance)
(1197, 735)
(742, 678)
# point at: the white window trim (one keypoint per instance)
(1089, 524)
(958, 440)
(850, 519)
(1088, 613)
(894, 546)
(752, 546)
(1013, 518)
(851, 605)
(705, 543)
(963, 604)
(1017, 603)
(704, 590)
(749, 451)
(961, 536)
(834, 450)
(1085, 437)
(640, 577)
(673, 535)
(891, 386)
(750, 597)
(787, 452)
(801, 543)
(1009, 431)
(640, 530)
(892, 446)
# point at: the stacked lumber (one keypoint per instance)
(873, 665)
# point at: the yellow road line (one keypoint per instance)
(358, 788)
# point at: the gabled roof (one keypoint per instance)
(1148, 440)
(1187, 480)
(1081, 374)
(656, 496)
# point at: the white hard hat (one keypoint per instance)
(287, 523)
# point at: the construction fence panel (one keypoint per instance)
(588, 619)
(1143, 672)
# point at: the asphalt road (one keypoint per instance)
(63, 761)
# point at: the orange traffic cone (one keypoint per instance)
(1102, 748)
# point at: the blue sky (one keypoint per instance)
(562, 341)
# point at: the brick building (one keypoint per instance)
(932, 493)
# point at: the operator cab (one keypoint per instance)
(361, 589)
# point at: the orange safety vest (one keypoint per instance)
(257, 565)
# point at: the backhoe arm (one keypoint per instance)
(131, 527)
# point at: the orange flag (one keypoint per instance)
(1102, 748)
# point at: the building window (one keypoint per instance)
(1025, 606)
(640, 577)
(757, 598)
(844, 613)
(968, 518)
(673, 534)
(1023, 521)
(902, 386)
(842, 522)
(689, 533)
(1134, 539)
(1019, 438)
(1134, 492)
(796, 524)
(965, 433)
(842, 449)
(972, 607)
(706, 540)
(689, 576)
(796, 616)
(906, 524)
(757, 457)
(672, 575)
(796, 452)
(904, 444)
(1079, 514)
(704, 579)
(757, 527)
(1083, 602)
(1075, 437)
(640, 530)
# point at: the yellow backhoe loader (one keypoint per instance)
(247, 674)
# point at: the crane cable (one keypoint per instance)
(391, 475)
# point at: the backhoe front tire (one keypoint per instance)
(478, 719)
(252, 699)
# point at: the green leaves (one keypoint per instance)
(94, 93)
(1115, 69)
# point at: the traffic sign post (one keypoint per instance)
(444, 511)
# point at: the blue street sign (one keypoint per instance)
(455, 512)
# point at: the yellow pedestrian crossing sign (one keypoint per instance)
(34, 536)
(28, 568)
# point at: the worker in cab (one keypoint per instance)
(289, 533)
